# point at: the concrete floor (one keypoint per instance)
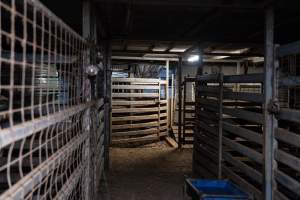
(147, 173)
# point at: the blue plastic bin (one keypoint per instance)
(213, 190)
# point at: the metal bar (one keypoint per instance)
(288, 49)
(288, 137)
(243, 96)
(220, 126)
(252, 154)
(33, 178)
(19, 132)
(246, 115)
(213, 78)
(288, 159)
(244, 133)
(269, 120)
(243, 183)
(289, 115)
(179, 81)
(251, 78)
(184, 109)
(290, 81)
(288, 181)
(249, 171)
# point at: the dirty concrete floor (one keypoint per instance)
(147, 173)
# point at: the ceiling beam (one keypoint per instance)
(246, 4)
(171, 59)
(131, 52)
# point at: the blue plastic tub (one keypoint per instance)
(213, 190)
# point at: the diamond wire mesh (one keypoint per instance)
(48, 136)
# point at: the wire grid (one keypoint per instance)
(41, 63)
(45, 120)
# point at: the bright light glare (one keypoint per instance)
(193, 58)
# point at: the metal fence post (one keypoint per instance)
(220, 125)
(179, 78)
(269, 119)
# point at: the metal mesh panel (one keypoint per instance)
(48, 134)
(41, 63)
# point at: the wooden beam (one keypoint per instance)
(135, 133)
(137, 95)
(132, 126)
(133, 103)
(135, 80)
(134, 110)
(135, 118)
(139, 139)
(135, 87)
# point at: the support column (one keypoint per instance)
(220, 129)
(107, 98)
(87, 33)
(179, 81)
(269, 92)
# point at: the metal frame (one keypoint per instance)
(51, 123)
(185, 105)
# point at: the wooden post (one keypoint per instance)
(172, 101)
(179, 75)
(270, 121)
(158, 106)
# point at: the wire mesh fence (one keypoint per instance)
(50, 129)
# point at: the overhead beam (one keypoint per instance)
(173, 59)
(134, 52)
(246, 4)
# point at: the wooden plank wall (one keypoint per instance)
(139, 110)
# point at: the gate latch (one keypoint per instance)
(274, 107)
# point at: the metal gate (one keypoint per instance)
(286, 140)
(139, 112)
(51, 125)
(188, 111)
(229, 130)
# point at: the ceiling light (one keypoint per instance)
(193, 58)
